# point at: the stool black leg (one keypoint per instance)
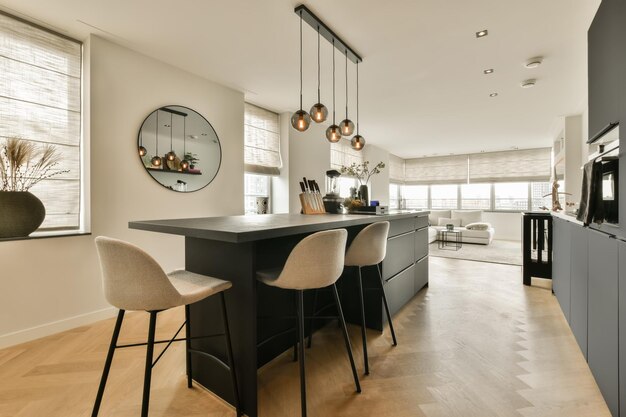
(107, 363)
(188, 344)
(363, 333)
(231, 361)
(301, 351)
(346, 338)
(295, 343)
(148, 373)
(312, 321)
(382, 288)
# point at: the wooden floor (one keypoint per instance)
(476, 343)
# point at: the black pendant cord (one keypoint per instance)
(357, 98)
(300, 60)
(333, 81)
(346, 85)
(157, 135)
(184, 137)
(171, 133)
(318, 65)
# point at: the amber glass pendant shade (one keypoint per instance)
(301, 120)
(171, 155)
(333, 134)
(156, 161)
(347, 127)
(184, 165)
(357, 142)
(142, 151)
(319, 113)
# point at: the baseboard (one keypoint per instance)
(32, 333)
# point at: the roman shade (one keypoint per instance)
(40, 101)
(436, 170)
(341, 153)
(261, 141)
(396, 169)
(511, 166)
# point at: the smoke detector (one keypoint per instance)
(529, 83)
(533, 62)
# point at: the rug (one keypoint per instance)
(498, 251)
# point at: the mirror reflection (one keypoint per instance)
(179, 148)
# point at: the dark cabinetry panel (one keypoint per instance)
(421, 274)
(400, 254)
(622, 326)
(561, 264)
(579, 284)
(606, 65)
(421, 243)
(602, 340)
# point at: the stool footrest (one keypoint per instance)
(208, 355)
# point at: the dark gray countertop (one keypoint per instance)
(237, 229)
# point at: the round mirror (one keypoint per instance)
(179, 148)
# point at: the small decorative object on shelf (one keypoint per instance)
(23, 165)
(363, 174)
(192, 160)
(450, 227)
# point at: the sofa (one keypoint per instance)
(460, 219)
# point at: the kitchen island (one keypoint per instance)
(235, 247)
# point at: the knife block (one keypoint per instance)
(312, 203)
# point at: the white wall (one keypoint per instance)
(309, 156)
(49, 285)
(508, 226)
(279, 199)
(573, 157)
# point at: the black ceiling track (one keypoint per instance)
(316, 23)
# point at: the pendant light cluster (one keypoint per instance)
(301, 120)
(157, 160)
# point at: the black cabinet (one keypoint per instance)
(579, 284)
(400, 254)
(622, 326)
(602, 351)
(606, 65)
(561, 264)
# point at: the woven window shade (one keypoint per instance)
(511, 166)
(436, 170)
(262, 141)
(396, 169)
(342, 154)
(40, 101)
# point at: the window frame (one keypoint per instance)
(83, 227)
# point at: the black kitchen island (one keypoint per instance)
(235, 247)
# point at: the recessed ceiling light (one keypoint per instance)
(488, 71)
(533, 62)
(493, 95)
(529, 83)
(482, 33)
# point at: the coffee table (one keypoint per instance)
(450, 239)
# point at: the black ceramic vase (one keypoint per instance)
(21, 213)
(364, 195)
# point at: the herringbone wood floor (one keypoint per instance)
(476, 343)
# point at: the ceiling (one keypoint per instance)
(423, 90)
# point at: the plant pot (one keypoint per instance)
(22, 213)
(364, 195)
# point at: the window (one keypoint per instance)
(394, 196)
(476, 196)
(511, 196)
(261, 141)
(345, 183)
(255, 186)
(40, 101)
(415, 196)
(444, 196)
(538, 190)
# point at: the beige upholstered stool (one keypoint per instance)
(369, 248)
(316, 262)
(133, 280)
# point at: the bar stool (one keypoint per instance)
(133, 280)
(369, 248)
(315, 262)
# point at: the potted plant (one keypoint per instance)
(23, 165)
(192, 158)
(362, 173)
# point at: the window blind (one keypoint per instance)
(342, 154)
(511, 166)
(396, 169)
(262, 141)
(436, 170)
(40, 101)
